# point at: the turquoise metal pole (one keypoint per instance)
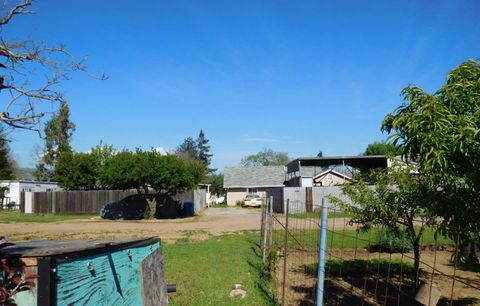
(321, 253)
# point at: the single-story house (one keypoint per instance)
(240, 181)
(331, 177)
(12, 195)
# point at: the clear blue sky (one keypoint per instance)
(293, 76)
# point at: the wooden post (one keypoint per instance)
(53, 202)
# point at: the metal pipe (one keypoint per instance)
(171, 288)
(265, 229)
(321, 253)
(270, 227)
(285, 253)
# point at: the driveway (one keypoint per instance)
(213, 221)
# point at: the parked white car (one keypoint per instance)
(252, 200)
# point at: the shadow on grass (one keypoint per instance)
(262, 278)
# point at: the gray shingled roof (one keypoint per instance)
(267, 176)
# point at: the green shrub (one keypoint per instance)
(146, 213)
(220, 205)
(392, 241)
(240, 203)
(272, 260)
(361, 266)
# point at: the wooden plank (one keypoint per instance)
(114, 279)
(154, 287)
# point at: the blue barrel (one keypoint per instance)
(189, 209)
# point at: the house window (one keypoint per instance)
(252, 190)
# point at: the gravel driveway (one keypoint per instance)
(213, 221)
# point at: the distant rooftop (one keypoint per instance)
(359, 162)
(244, 177)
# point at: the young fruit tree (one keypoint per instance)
(440, 132)
(398, 200)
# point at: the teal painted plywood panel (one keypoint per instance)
(114, 280)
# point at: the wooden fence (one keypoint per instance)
(90, 201)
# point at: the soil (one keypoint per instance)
(373, 289)
(213, 221)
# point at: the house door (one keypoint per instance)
(308, 199)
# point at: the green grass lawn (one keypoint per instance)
(346, 239)
(206, 271)
(317, 215)
(15, 216)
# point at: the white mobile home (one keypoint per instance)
(12, 195)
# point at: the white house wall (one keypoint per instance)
(16, 187)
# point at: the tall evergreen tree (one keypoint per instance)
(187, 150)
(58, 133)
(203, 151)
(6, 165)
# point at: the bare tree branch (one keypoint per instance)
(19, 9)
(24, 63)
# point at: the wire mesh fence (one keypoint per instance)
(380, 266)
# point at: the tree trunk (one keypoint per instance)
(152, 204)
(416, 265)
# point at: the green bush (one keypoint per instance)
(220, 205)
(240, 203)
(147, 213)
(392, 241)
(361, 266)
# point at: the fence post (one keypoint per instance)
(285, 252)
(265, 231)
(53, 202)
(270, 227)
(321, 253)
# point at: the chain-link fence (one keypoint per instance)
(375, 267)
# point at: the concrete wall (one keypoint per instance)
(297, 197)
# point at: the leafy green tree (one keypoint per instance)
(382, 148)
(148, 171)
(399, 201)
(76, 171)
(266, 157)
(58, 133)
(6, 164)
(216, 183)
(440, 132)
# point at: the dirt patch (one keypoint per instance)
(374, 288)
(196, 228)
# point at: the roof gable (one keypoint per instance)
(266, 176)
